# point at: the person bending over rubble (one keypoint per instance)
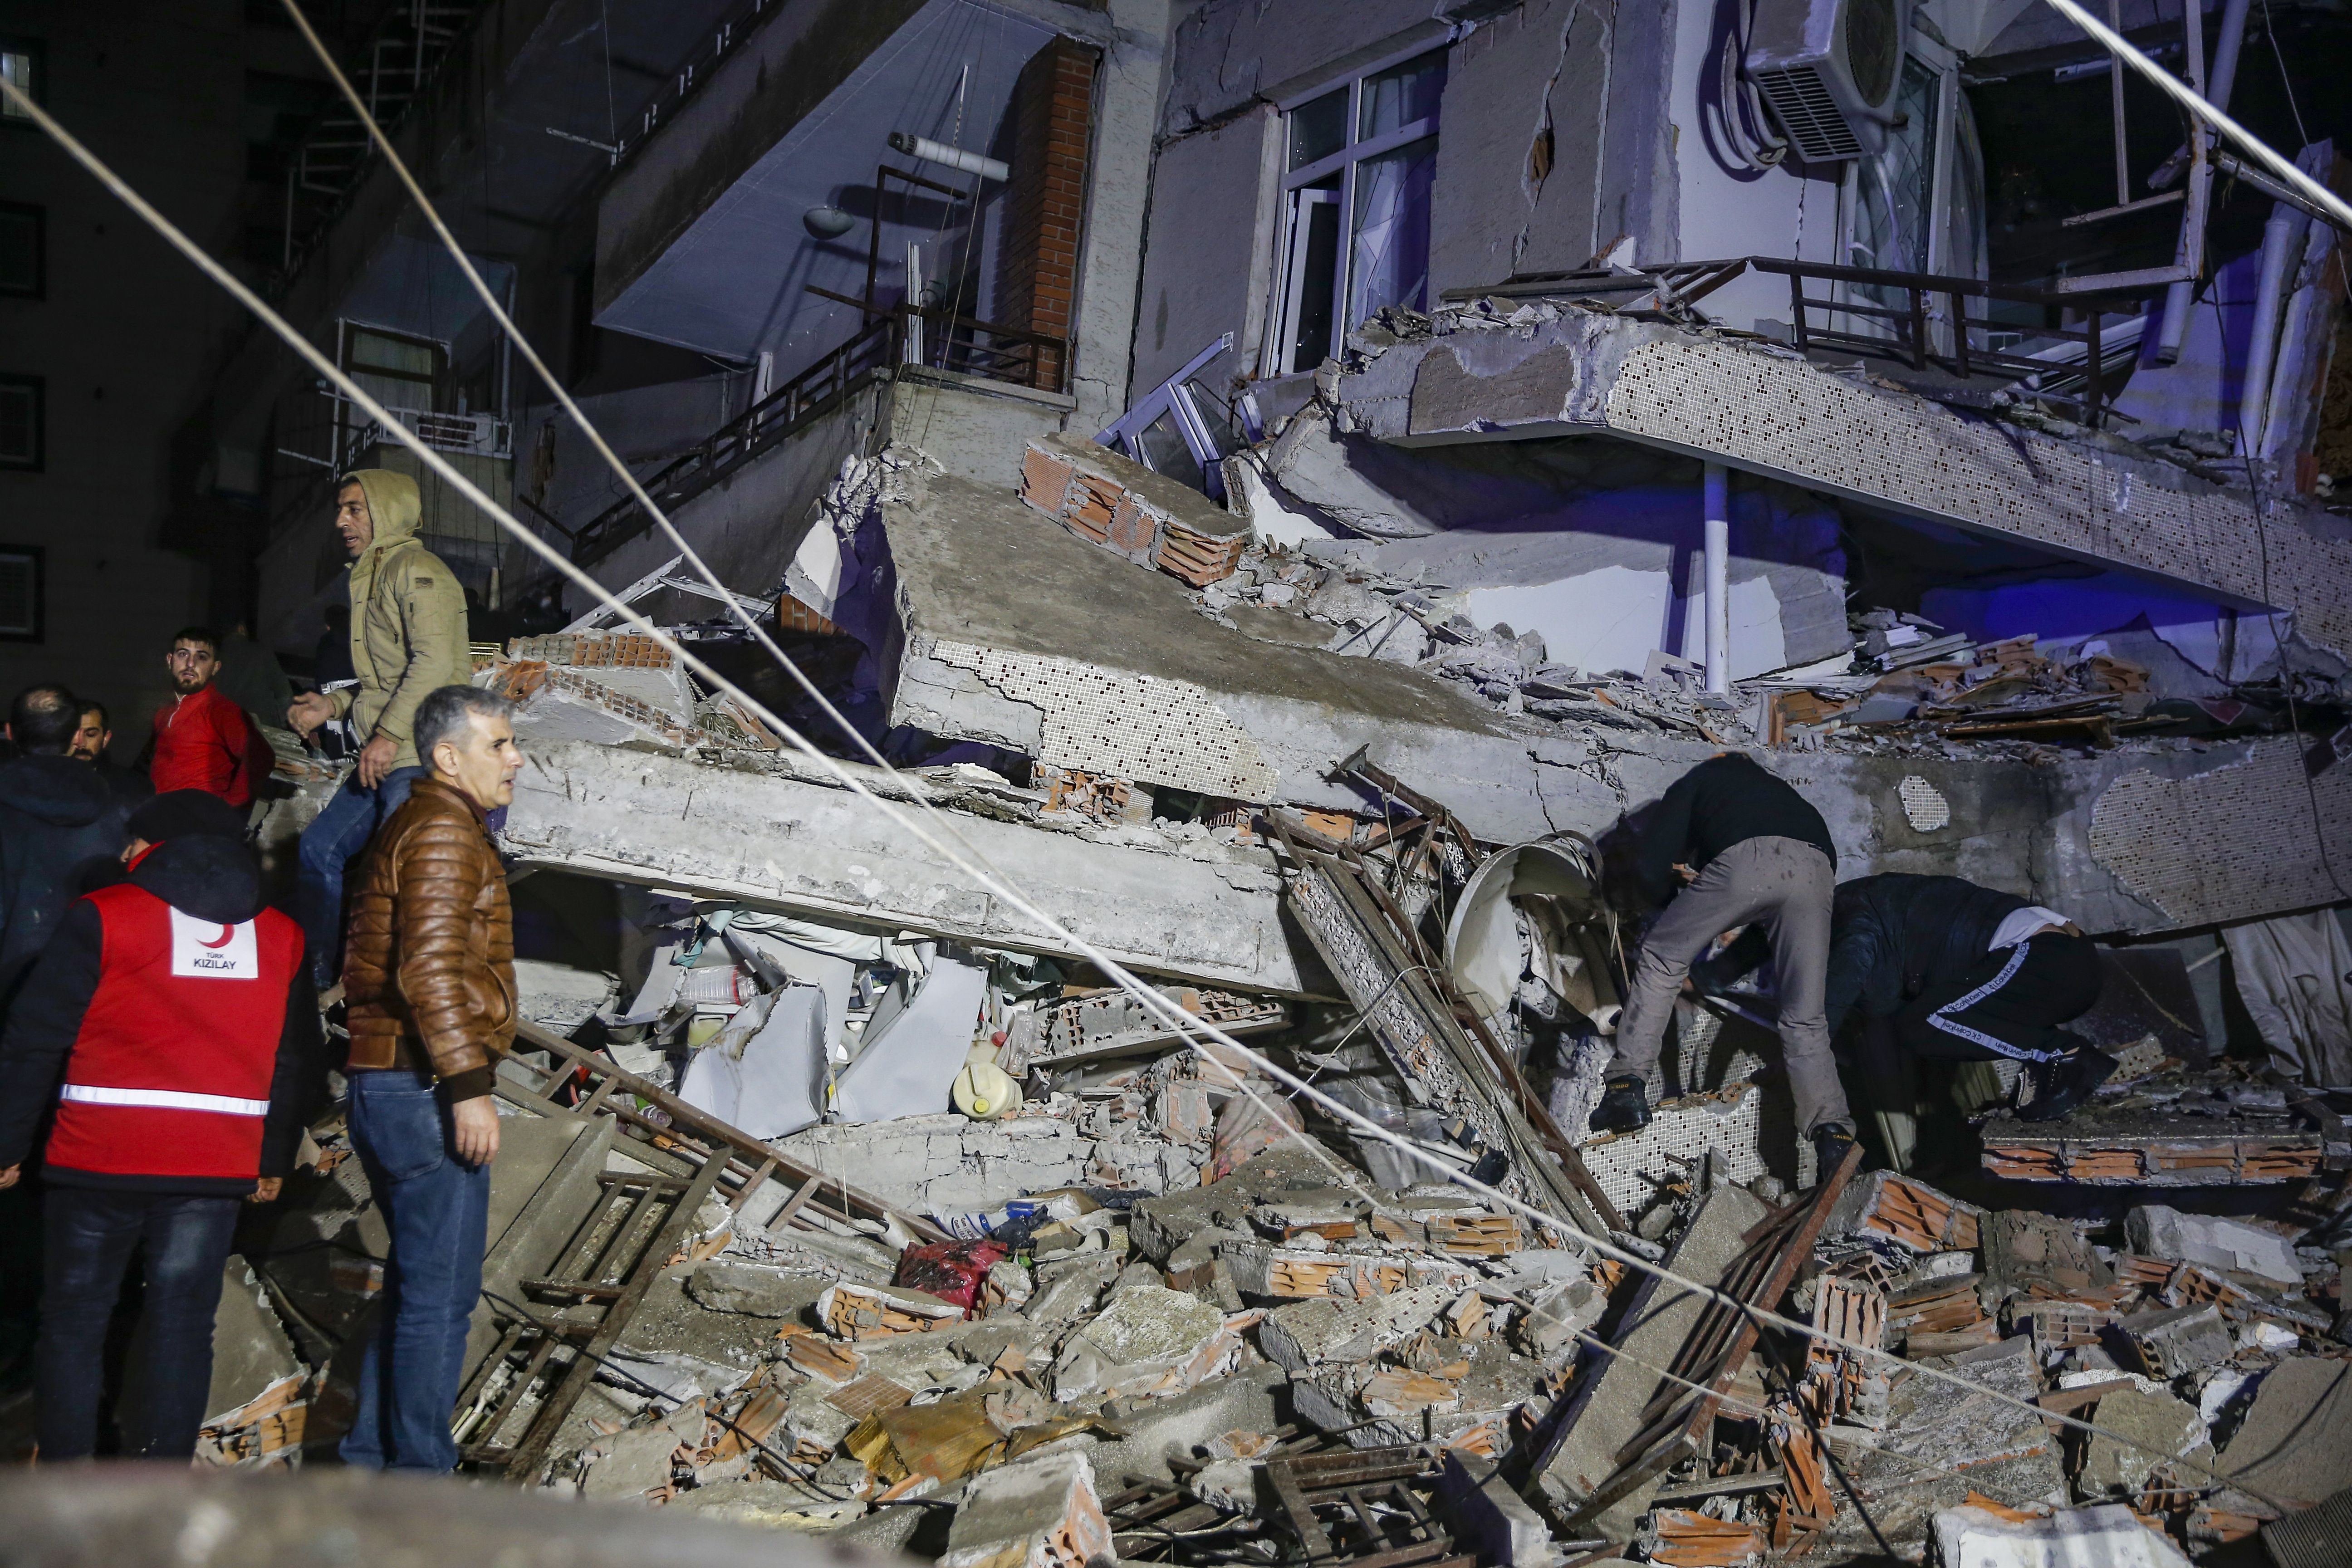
(407, 639)
(1750, 850)
(170, 1023)
(1944, 969)
(428, 977)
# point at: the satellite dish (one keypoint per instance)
(827, 222)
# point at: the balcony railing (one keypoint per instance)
(1921, 318)
(938, 338)
(1924, 319)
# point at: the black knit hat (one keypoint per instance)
(184, 813)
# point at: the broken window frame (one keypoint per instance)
(1304, 188)
(1196, 416)
(1950, 162)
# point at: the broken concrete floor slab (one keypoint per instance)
(1201, 911)
(1759, 408)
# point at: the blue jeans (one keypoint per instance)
(437, 1209)
(89, 1234)
(329, 844)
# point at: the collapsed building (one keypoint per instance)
(1287, 486)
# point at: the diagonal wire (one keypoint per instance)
(2338, 212)
(595, 437)
(1184, 1024)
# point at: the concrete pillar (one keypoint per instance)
(1718, 489)
(1127, 113)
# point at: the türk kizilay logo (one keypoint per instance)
(208, 950)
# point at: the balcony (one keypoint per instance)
(891, 339)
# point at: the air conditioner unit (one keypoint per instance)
(1828, 70)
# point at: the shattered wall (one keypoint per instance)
(1555, 139)
(1207, 269)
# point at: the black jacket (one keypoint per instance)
(1724, 801)
(1893, 936)
(213, 880)
(56, 814)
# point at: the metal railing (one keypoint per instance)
(392, 72)
(1919, 318)
(1923, 319)
(938, 340)
(724, 39)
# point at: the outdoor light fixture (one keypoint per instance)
(931, 151)
(827, 222)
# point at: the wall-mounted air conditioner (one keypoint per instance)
(1828, 69)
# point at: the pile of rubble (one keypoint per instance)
(1905, 684)
(958, 1250)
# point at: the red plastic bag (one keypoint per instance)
(952, 1270)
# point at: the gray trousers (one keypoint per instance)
(1785, 883)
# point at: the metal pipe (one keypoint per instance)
(931, 151)
(1716, 483)
(2180, 297)
(2281, 249)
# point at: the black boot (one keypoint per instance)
(2053, 1089)
(1625, 1108)
(1831, 1141)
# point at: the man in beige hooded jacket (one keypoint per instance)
(408, 639)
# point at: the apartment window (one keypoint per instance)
(396, 370)
(23, 62)
(20, 593)
(20, 422)
(1362, 157)
(23, 245)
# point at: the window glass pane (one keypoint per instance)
(20, 425)
(1218, 416)
(1401, 95)
(18, 69)
(395, 355)
(20, 252)
(20, 605)
(1318, 129)
(1392, 241)
(1891, 217)
(1317, 252)
(1968, 219)
(1164, 452)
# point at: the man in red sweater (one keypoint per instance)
(203, 740)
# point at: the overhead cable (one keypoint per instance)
(2338, 212)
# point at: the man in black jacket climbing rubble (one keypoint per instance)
(1746, 849)
(1943, 969)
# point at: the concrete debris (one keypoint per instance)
(2136, 1431)
(2276, 1452)
(935, 1215)
(2109, 1535)
(2230, 1246)
(2177, 1341)
(1039, 1512)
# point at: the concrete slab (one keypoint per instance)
(1015, 632)
(2290, 1445)
(779, 841)
(1604, 1406)
(1761, 409)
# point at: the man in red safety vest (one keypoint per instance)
(171, 1025)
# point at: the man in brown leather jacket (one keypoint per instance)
(428, 976)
